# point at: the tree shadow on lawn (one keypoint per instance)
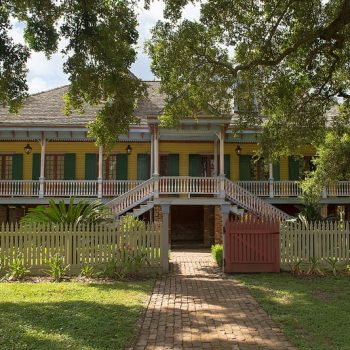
(62, 325)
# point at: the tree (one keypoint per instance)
(101, 37)
(283, 63)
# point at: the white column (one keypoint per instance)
(215, 157)
(222, 151)
(152, 155)
(271, 191)
(42, 167)
(100, 172)
(156, 151)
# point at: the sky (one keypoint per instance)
(46, 74)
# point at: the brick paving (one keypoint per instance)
(196, 307)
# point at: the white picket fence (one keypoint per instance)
(77, 245)
(319, 240)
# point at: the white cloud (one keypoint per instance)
(37, 84)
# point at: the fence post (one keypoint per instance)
(69, 252)
(164, 238)
(225, 211)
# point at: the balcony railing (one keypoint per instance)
(165, 185)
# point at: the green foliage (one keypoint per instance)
(88, 271)
(128, 223)
(296, 269)
(314, 267)
(285, 60)
(217, 252)
(100, 38)
(83, 212)
(333, 263)
(126, 263)
(57, 270)
(16, 270)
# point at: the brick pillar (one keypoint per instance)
(208, 225)
(217, 224)
(157, 214)
(324, 210)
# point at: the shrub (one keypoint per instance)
(125, 264)
(16, 270)
(56, 268)
(314, 267)
(88, 271)
(333, 263)
(295, 268)
(217, 252)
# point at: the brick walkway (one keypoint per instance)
(194, 307)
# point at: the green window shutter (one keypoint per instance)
(276, 171)
(227, 166)
(293, 169)
(143, 166)
(245, 168)
(36, 166)
(90, 166)
(122, 166)
(173, 165)
(17, 167)
(194, 165)
(69, 166)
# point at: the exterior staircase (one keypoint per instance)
(139, 200)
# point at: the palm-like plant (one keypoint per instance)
(83, 212)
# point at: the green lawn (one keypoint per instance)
(313, 313)
(70, 315)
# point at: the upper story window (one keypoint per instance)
(5, 167)
(110, 167)
(54, 166)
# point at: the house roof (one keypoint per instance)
(46, 109)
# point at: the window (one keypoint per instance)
(110, 167)
(5, 167)
(207, 165)
(54, 166)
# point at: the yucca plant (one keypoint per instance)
(82, 212)
(295, 268)
(314, 267)
(333, 263)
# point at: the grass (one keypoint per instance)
(70, 315)
(312, 312)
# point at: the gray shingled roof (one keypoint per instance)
(46, 109)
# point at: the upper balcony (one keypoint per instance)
(273, 191)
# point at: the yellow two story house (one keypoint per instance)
(200, 171)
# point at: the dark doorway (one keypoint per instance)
(187, 224)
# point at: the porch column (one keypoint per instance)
(156, 161)
(271, 192)
(100, 172)
(225, 212)
(215, 157)
(152, 156)
(222, 167)
(164, 238)
(42, 166)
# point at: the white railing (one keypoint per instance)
(258, 188)
(19, 188)
(114, 188)
(66, 188)
(189, 185)
(286, 189)
(248, 201)
(130, 199)
(339, 189)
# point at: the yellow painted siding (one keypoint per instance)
(183, 149)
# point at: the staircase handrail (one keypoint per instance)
(130, 199)
(250, 202)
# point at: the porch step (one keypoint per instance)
(142, 209)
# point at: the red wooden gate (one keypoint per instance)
(252, 245)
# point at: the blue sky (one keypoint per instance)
(46, 74)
